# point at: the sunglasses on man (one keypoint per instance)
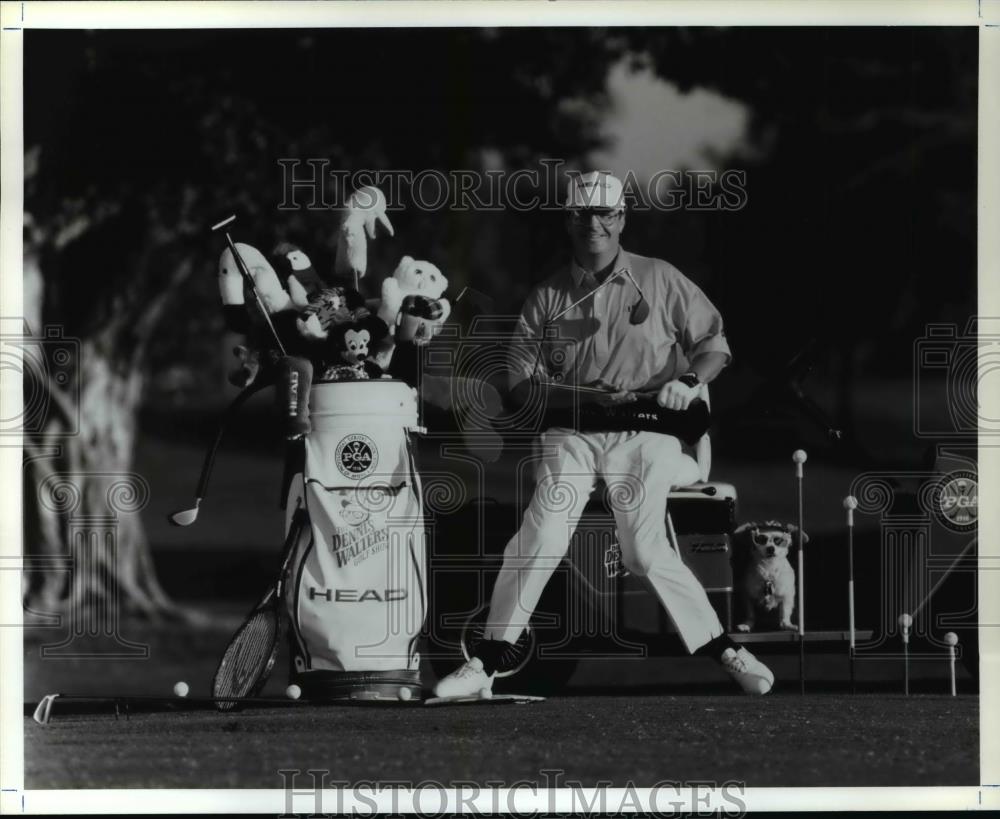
(606, 216)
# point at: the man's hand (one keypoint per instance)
(676, 395)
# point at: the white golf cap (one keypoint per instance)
(595, 190)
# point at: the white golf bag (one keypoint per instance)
(356, 587)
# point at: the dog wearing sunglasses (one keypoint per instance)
(768, 579)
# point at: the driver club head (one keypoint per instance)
(185, 517)
(639, 312)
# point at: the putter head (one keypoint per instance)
(185, 517)
(639, 312)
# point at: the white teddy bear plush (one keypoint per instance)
(412, 303)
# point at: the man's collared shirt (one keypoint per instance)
(595, 341)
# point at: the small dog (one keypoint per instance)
(768, 582)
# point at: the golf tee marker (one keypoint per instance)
(850, 504)
(799, 457)
(952, 640)
(905, 621)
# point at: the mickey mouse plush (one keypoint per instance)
(351, 343)
(339, 331)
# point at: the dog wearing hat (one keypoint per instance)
(768, 579)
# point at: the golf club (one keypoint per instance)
(477, 298)
(639, 311)
(124, 702)
(636, 309)
(185, 517)
(597, 390)
(242, 266)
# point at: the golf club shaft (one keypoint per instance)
(589, 295)
(231, 410)
(253, 288)
(593, 390)
(123, 698)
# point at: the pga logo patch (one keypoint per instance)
(956, 501)
(356, 456)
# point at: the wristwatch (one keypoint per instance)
(690, 379)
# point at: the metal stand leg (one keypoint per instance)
(802, 665)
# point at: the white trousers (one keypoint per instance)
(639, 468)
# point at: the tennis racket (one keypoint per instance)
(249, 659)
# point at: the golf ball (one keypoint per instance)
(181, 689)
(485, 694)
(951, 638)
(404, 694)
(293, 692)
(905, 620)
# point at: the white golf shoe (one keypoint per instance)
(752, 675)
(467, 681)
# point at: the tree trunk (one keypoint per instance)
(84, 542)
(80, 488)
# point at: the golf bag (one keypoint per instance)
(357, 589)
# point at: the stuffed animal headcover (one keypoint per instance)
(365, 209)
(265, 279)
(412, 301)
